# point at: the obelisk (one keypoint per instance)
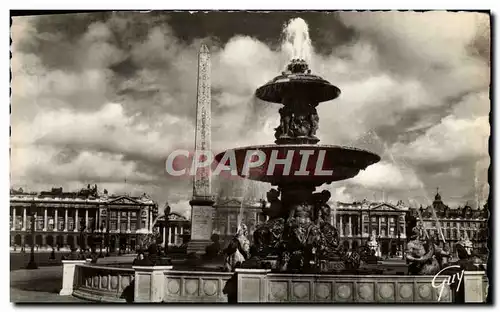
(202, 202)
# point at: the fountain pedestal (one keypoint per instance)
(299, 232)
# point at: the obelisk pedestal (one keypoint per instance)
(201, 224)
(202, 211)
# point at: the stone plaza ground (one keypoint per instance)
(38, 286)
(43, 284)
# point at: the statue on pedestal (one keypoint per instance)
(238, 249)
(374, 245)
(423, 254)
(467, 258)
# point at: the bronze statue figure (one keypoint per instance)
(238, 249)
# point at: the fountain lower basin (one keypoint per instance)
(306, 163)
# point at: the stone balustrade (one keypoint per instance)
(263, 286)
(103, 283)
(162, 284)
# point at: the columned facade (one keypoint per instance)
(454, 224)
(176, 232)
(60, 217)
(230, 212)
(357, 221)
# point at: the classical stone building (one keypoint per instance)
(230, 212)
(455, 223)
(60, 216)
(356, 221)
(351, 220)
(177, 229)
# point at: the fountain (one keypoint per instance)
(298, 238)
(299, 232)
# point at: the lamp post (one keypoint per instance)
(166, 213)
(369, 224)
(82, 238)
(398, 224)
(107, 231)
(32, 264)
(102, 239)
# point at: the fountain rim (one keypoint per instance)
(306, 146)
(313, 81)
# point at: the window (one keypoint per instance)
(374, 219)
(123, 226)
(365, 218)
(60, 223)
(51, 224)
(112, 214)
(19, 222)
(124, 214)
(391, 231)
(39, 223)
(134, 214)
(112, 225)
(233, 226)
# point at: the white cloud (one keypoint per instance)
(341, 194)
(400, 71)
(452, 139)
(387, 176)
(182, 207)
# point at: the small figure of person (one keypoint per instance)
(139, 259)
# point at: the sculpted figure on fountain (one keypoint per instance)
(297, 125)
(238, 249)
(424, 255)
(283, 131)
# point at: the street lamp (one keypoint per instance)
(83, 226)
(166, 213)
(107, 231)
(102, 239)
(32, 264)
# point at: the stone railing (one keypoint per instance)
(263, 286)
(103, 283)
(162, 284)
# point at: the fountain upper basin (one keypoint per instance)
(306, 87)
(312, 164)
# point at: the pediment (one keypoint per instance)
(384, 207)
(124, 200)
(174, 216)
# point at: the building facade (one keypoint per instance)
(388, 222)
(455, 223)
(60, 217)
(230, 212)
(358, 220)
(176, 231)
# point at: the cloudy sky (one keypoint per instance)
(104, 97)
